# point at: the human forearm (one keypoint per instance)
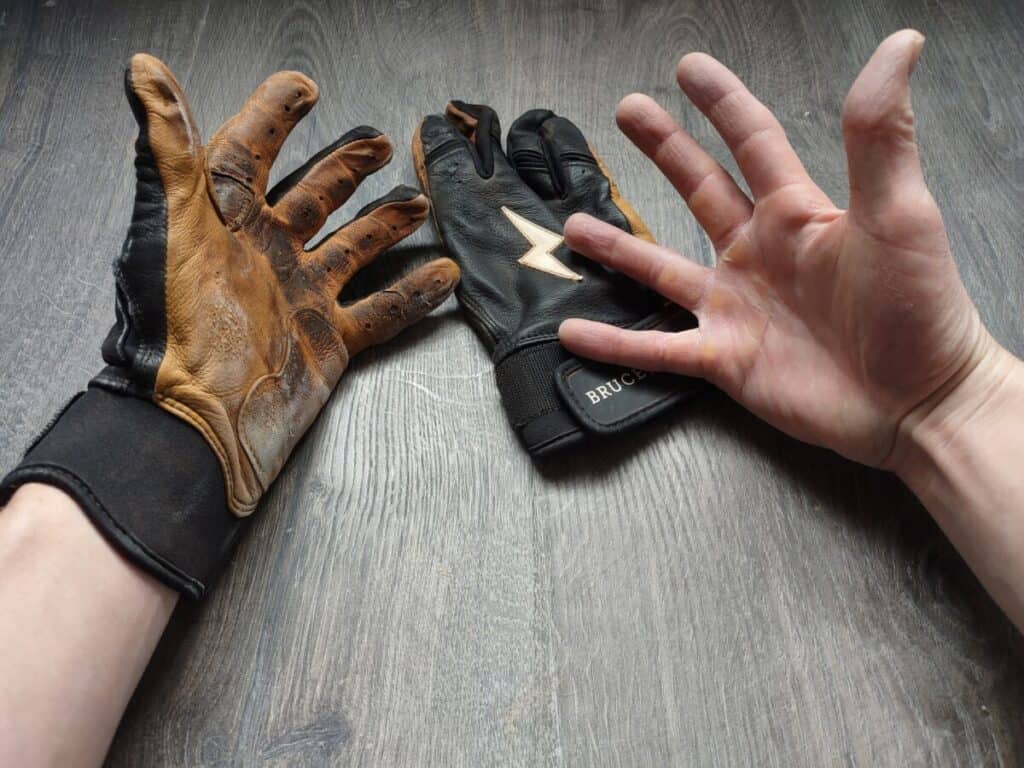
(965, 462)
(78, 626)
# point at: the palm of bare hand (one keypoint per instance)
(832, 325)
(814, 324)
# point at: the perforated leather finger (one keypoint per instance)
(376, 228)
(382, 315)
(242, 150)
(304, 199)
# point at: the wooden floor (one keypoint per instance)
(414, 591)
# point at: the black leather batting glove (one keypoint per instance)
(501, 215)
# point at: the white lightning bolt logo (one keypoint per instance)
(543, 241)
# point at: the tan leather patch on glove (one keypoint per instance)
(254, 337)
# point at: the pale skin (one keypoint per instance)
(848, 329)
(79, 623)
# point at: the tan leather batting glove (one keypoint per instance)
(226, 321)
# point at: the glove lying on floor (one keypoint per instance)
(229, 337)
(501, 218)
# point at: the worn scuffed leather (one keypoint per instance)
(225, 319)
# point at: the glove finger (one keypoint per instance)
(551, 153)
(242, 150)
(376, 228)
(479, 123)
(468, 135)
(588, 185)
(167, 132)
(637, 226)
(304, 199)
(528, 153)
(382, 315)
(434, 135)
(573, 162)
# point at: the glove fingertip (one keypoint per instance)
(433, 132)
(161, 110)
(530, 121)
(467, 118)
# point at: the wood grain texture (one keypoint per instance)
(414, 591)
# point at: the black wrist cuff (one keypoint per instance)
(554, 399)
(146, 479)
(526, 380)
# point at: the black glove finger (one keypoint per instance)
(554, 157)
(466, 133)
(479, 123)
(530, 155)
(584, 185)
(437, 139)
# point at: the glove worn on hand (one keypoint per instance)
(225, 321)
(501, 217)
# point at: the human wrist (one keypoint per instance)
(80, 624)
(43, 518)
(145, 479)
(941, 433)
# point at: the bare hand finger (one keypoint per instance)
(653, 351)
(878, 125)
(753, 135)
(715, 199)
(673, 276)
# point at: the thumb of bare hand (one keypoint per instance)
(878, 127)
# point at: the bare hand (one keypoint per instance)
(834, 326)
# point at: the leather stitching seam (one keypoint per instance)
(185, 413)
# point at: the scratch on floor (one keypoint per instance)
(445, 377)
(87, 283)
(55, 305)
(430, 393)
(197, 35)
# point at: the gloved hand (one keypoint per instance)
(229, 337)
(501, 216)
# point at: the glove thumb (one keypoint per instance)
(167, 134)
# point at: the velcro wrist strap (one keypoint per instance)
(146, 479)
(526, 382)
(607, 399)
(553, 399)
